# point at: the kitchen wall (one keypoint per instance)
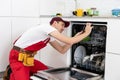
(67, 6)
(15, 17)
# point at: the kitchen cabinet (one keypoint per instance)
(5, 42)
(5, 7)
(113, 41)
(25, 8)
(112, 67)
(65, 7)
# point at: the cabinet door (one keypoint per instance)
(112, 67)
(5, 7)
(57, 6)
(5, 42)
(19, 25)
(25, 8)
(65, 7)
(113, 39)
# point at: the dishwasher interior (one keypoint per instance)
(87, 56)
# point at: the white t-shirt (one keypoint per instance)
(34, 35)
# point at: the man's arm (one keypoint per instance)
(61, 48)
(72, 40)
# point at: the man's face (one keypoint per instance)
(60, 26)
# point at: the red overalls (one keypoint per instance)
(21, 72)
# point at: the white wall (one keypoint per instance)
(5, 7)
(67, 6)
(15, 17)
(5, 32)
(5, 41)
(26, 8)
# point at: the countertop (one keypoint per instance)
(106, 17)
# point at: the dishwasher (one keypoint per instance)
(87, 56)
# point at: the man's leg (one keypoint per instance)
(19, 71)
(38, 66)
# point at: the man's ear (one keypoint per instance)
(55, 22)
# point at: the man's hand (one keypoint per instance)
(88, 28)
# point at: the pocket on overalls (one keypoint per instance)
(20, 56)
(28, 60)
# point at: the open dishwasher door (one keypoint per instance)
(65, 74)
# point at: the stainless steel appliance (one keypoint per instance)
(87, 56)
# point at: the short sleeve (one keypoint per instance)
(48, 29)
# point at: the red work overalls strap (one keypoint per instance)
(46, 40)
(37, 46)
(16, 40)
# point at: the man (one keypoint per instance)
(22, 61)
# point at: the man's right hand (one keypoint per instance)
(88, 28)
